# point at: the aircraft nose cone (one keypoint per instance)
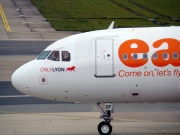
(20, 79)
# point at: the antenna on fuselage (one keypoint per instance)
(111, 25)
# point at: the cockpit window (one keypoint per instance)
(54, 56)
(43, 55)
(65, 56)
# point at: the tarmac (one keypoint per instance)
(23, 21)
(19, 37)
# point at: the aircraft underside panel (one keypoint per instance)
(104, 65)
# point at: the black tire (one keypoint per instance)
(104, 128)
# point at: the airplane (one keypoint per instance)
(122, 65)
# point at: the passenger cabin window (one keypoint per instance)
(65, 56)
(165, 56)
(54, 56)
(125, 56)
(175, 55)
(155, 56)
(145, 56)
(135, 56)
(43, 55)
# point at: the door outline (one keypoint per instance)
(96, 57)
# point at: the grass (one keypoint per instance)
(94, 24)
(80, 9)
(166, 7)
(83, 15)
(136, 8)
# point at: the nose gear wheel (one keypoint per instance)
(104, 128)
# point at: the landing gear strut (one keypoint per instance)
(105, 127)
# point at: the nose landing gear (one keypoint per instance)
(105, 128)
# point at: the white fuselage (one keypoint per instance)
(115, 65)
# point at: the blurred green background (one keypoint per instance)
(87, 15)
